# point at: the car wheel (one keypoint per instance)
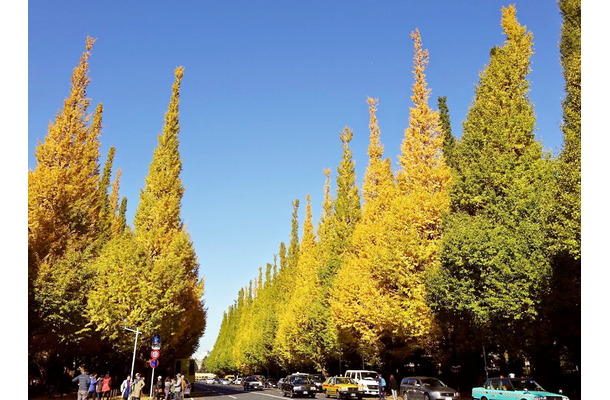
(292, 393)
(313, 396)
(483, 398)
(338, 394)
(326, 394)
(426, 396)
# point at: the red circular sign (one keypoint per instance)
(154, 354)
(154, 363)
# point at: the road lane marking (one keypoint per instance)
(233, 397)
(270, 395)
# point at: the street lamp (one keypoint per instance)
(135, 345)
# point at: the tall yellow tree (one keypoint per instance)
(355, 300)
(63, 211)
(413, 226)
(382, 283)
(299, 337)
(63, 218)
(170, 303)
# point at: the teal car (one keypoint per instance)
(513, 389)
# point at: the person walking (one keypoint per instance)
(83, 384)
(381, 384)
(178, 394)
(168, 388)
(106, 386)
(92, 383)
(126, 388)
(98, 387)
(158, 388)
(394, 387)
(137, 386)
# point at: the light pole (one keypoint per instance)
(135, 345)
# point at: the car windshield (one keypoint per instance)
(369, 375)
(300, 379)
(343, 381)
(432, 382)
(251, 379)
(529, 384)
(316, 378)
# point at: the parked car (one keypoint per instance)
(209, 381)
(318, 380)
(426, 388)
(224, 381)
(342, 387)
(279, 383)
(237, 381)
(271, 383)
(298, 385)
(252, 383)
(367, 380)
(513, 388)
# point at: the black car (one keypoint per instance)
(318, 380)
(271, 383)
(252, 383)
(298, 385)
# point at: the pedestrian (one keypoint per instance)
(168, 387)
(394, 387)
(178, 394)
(381, 383)
(137, 386)
(83, 384)
(106, 386)
(158, 389)
(98, 387)
(92, 383)
(126, 388)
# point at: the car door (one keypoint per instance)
(494, 389)
(331, 387)
(418, 390)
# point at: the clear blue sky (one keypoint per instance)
(267, 87)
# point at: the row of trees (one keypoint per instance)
(89, 273)
(471, 242)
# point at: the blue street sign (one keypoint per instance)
(154, 363)
(156, 339)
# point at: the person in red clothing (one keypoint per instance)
(106, 385)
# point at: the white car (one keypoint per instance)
(209, 381)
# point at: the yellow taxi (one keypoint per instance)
(342, 387)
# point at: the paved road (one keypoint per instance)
(235, 392)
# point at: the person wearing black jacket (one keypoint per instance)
(394, 387)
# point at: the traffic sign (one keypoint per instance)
(156, 343)
(154, 363)
(154, 354)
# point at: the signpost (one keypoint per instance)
(154, 363)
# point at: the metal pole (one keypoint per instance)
(485, 363)
(135, 346)
(152, 380)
